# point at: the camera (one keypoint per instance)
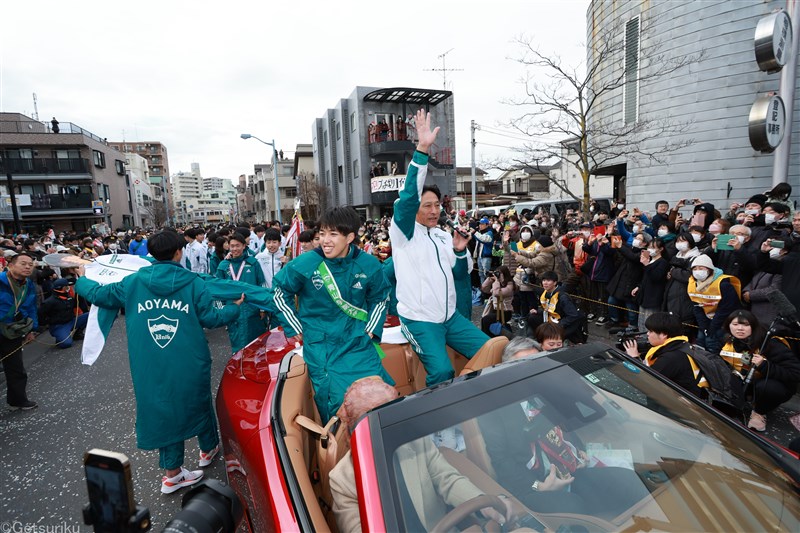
(629, 334)
(210, 505)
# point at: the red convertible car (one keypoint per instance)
(641, 453)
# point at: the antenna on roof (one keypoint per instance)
(35, 108)
(444, 70)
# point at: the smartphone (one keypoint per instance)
(775, 243)
(724, 242)
(108, 478)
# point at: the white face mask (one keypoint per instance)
(696, 237)
(637, 243)
(637, 229)
(526, 236)
(753, 212)
(586, 234)
(769, 218)
(591, 208)
(740, 238)
(621, 206)
(652, 252)
(774, 253)
(700, 275)
(512, 224)
(682, 246)
(662, 232)
(112, 247)
(543, 225)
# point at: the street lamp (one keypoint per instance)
(274, 171)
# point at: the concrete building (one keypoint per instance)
(57, 177)
(155, 153)
(141, 190)
(362, 146)
(187, 188)
(713, 97)
(264, 190)
(212, 184)
(463, 194)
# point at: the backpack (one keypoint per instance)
(725, 391)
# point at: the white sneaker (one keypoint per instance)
(208, 458)
(184, 478)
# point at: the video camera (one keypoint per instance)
(628, 334)
(210, 505)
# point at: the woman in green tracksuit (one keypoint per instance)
(343, 295)
(240, 267)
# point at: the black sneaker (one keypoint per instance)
(25, 406)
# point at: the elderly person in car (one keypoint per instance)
(430, 482)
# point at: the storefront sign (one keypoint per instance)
(387, 183)
(766, 123)
(772, 41)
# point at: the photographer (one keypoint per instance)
(777, 368)
(64, 313)
(500, 285)
(669, 355)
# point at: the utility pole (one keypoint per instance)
(780, 161)
(444, 70)
(472, 127)
(35, 109)
(13, 203)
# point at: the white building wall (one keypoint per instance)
(714, 96)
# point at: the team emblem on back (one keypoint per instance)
(162, 329)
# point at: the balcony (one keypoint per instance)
(38, 168)
(391, 147)
(31, 126)
(46, 204)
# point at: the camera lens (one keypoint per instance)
(210, 507)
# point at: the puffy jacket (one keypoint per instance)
(27, 307)
(628, 274)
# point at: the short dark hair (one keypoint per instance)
(548, 330)
(259, 228)
(777, 207)
(191, 233)
(434, 189)
(552, 276)
(164, 244)
(272, 235)
(345, 220)
(664, 323)
(307, 235)
(662, 202)
(13, 258)
(238, 237)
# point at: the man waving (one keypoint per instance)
(428, 261)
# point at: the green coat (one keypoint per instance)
(166, 309)
(336, 348)
(250, 325)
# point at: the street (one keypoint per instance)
(83, 407)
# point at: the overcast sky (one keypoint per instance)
(196, 74)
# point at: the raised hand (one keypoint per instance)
(425, 136)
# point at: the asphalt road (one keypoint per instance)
(81, 407)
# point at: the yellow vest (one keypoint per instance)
(732, 357)
(709, 299)
(549, 306)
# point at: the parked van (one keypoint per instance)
(488, 211)
(558, 207)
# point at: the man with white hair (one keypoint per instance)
(520, 347)
(421, 470)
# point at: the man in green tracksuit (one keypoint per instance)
(166, 309)
(342, 295)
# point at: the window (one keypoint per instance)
(120, 166)
(325, 137)
(99, 159)
(338, 130)
(353, 121)
(328, 177)
(355, 169)
(631, 88)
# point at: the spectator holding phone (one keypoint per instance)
(500, 285)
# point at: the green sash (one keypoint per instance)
(347, 308)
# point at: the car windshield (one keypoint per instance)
(597, 444)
